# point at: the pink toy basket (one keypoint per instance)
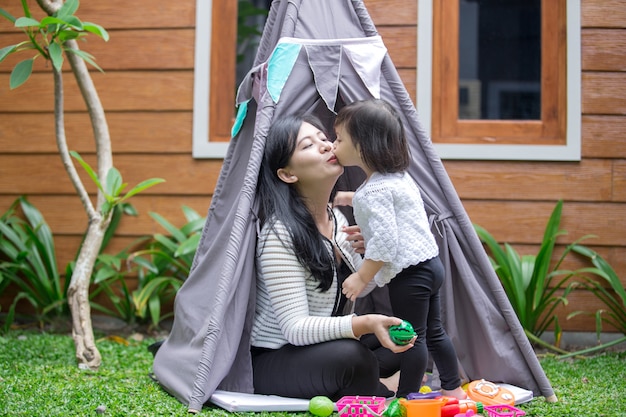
(503, 411)
(357, 406)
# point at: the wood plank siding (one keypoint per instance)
(147, 93)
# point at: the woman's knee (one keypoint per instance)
(351, 353)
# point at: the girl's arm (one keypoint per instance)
(343, 198)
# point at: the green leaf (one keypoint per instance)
(24, 22)
(113, 182)
(7, 50)
(21, 73)
(142, 186)
(56, 56)
(107, 206)
(68, 9)
(88, 169)
(96, 29)
(44, 234)
(66, 35)
(52, 20)
(190, 214)
(188, 246)
(85, 56)
(74, 22)
(177, 234)
(7, 15)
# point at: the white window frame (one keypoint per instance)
(571, 151)
(202, 147)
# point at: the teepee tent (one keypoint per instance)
(314, 56)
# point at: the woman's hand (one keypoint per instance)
(379, 324)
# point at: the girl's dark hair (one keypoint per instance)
(281, 201)
(375, 126)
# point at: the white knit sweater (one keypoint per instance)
(390, 211)
(289, 306)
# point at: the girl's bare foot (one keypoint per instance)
(457, 393)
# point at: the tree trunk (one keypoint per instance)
(87, 353)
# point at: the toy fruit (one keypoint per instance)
(321, 406)
(395, 409)
(402, 333)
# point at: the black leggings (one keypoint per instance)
(335, 369)
(414, 296)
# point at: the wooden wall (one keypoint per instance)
(147, 95)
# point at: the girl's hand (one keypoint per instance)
(355, 238)
(353, 286)
(343, 198)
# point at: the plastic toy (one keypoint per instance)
(423, 408)
(395, 409)
(454, 406)
(321, 406)
(401, 334)
(503, 411)
(489, 393)
(424, 395)
(357, 406)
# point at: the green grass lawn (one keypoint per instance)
(39, 377)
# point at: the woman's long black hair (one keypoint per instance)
(281, 201)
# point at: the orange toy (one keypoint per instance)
(489, 393)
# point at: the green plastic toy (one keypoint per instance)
(402, 333)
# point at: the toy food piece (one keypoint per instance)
(395, 409)
(489, 393)
(402, 333)
(321, 406)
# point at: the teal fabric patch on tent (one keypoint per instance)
(279, 67)
(241, 115)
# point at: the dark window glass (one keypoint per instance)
(500, 59)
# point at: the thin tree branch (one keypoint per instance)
(62, 145)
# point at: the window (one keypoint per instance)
(215, 73)
(500, 79)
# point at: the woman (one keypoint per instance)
(303, 344)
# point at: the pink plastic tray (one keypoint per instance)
(357, 406)
(503, 411)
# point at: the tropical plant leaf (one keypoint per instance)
(96, 30)
(536, 287)
(74, 22)
(68, 9)
(188, 246)
(85, 56)
(56, 56)
(21, 73)
(608, 273)
(52, 20)
(141, 187)
(113, 185)
(177, 234)
(24, 22)
(88, 169)
(7, 50)
(7, 15)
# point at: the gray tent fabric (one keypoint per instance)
(314, 56)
